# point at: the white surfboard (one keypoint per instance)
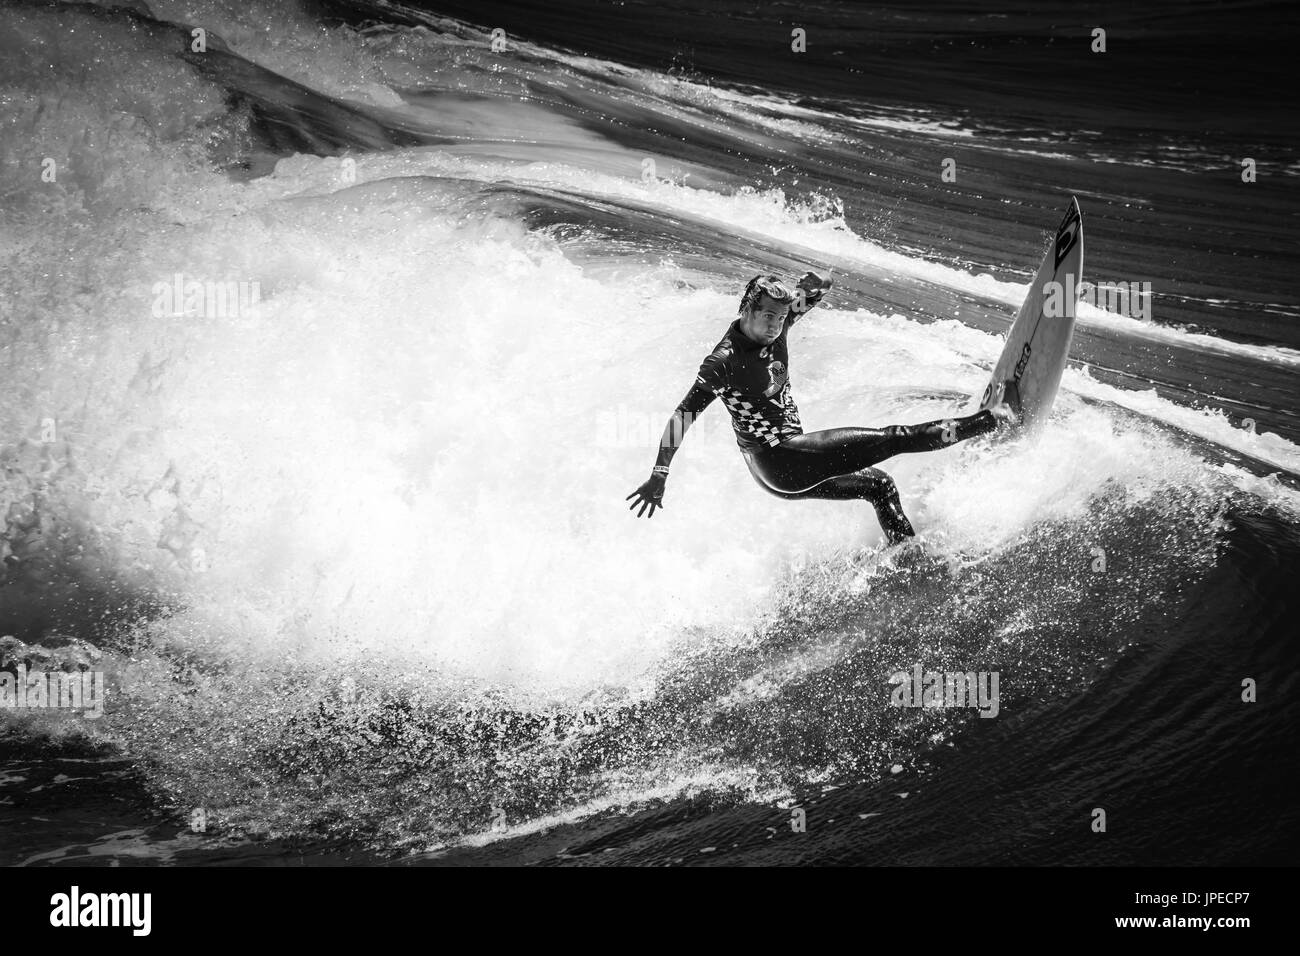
(1028, 373)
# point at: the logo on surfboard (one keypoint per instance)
(1021, 363)
(1068, 234)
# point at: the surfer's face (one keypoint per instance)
(764, 322)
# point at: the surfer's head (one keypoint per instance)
(764, 308)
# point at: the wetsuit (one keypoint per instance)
(753, 380)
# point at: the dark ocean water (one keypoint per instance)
(357, 568)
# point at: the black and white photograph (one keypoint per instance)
(650, 433)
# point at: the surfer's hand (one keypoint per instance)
(650, 494)
(813, 287)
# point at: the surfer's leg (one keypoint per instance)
(869, 484)
(931, 436)
(873, 485)
(802, 461)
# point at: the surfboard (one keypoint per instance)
(1028, 373)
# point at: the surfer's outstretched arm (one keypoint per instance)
(651, 492)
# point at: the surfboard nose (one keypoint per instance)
(1037, 347)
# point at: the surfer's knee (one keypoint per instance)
(877, 485)
(880, 491)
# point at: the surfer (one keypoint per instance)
(749, 370)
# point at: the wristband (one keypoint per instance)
(660, 470)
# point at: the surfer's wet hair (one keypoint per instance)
(770, 285)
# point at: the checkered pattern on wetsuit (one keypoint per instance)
(750, 418)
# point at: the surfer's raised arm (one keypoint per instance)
(813, 288)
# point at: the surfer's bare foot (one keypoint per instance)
(1004, 413)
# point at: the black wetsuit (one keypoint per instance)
(753, 380)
